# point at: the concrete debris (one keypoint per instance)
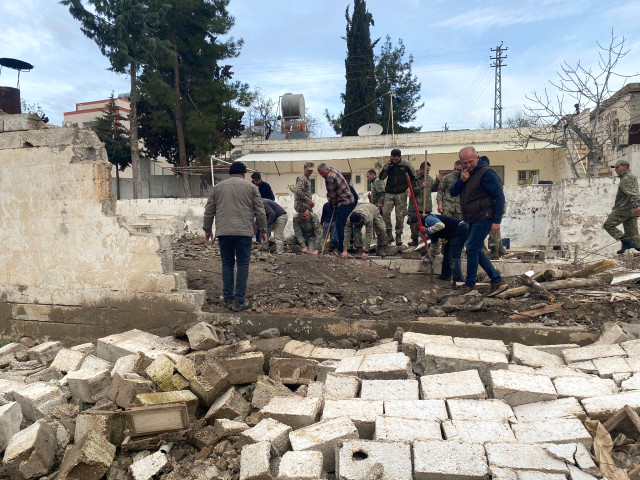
(110, 425)
(67, 360)
(10, 420)
(88, 459)
(88, 385)
(44, 352)
(31, 452)
(147, 467)
(202, 336)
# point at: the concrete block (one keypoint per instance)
(389, 347)
(421, 409)
(634, 363)
(67, 360)
(523, 456)
(45, 352)
(585, 367)
(583, 387)
(398, 429)
(316, 389)
(124, 388)
(621, 377)
(541, 411)
(361, 412)
(243, 368)
(184, 366)
(21, 122)
(304, 465)
(349, 366)
(465, 384)
(390, 390)
(608, 366)
(582, 354)
(556, 349)
(532, 357)
(632, 383)
(161, 372)
(326, 367)
(147, 467)
(296, 349)
(88, 459)
(30, 452)
(514, 367)
(10, 420)
(321, 353)
(266, 389)
(577, 474)
(202, 336)
(448, 460)
(293, 371)
(556, 430)
(134, 363)
(210, 382)
(38, 400)
(489, 410)
(523, 475)
(95, 363)
(612, 334)
(294, 411)
(555, 372)
(109, 425)
(230, 405)
(385, 366)
(88, 385)
(481, 344)
(88, 348)
(132, 341)
(503, 473)
(268, 430)
(223, 427)
(475, 431)
(604, 406)
(341, 386)
(410, 341)
(447, 359)
(323, 437)
(631, 348)
(574, 454)
(255, 461)
(520, 388)
(357, 458)
(162, 398)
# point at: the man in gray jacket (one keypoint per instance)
(234, 203)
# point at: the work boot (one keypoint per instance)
(502, 251)
(493, 254)
(389, 237)
(413, 243)
(237, 307)
(627, 244)
(398, 240)
(498, 287)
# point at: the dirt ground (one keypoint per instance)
(327, 285)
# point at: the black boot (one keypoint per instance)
(398, 240)
(413, 243)
(626, 245)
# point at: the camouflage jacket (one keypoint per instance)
(628, 196)
(449, 204)
(419, 192)
(377, 191)
(369, 213)
(306, 230)
(302, 192)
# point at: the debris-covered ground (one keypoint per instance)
(327, 285)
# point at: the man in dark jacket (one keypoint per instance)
(482, 204)
(264, 187)
(396, 192)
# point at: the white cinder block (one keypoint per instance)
(421, 409)
(362, 412)
(390, 390)
(481, 344)
(523, 456)
(301, 466)
(583, 387)
(465, 384)
(520, 388)
(490, 410)
(473, 431)
(255, 461)
(341, 386)
(532, 357)
(540, 411)
(398, 429)
(356, 458)
(557, 430)
(602, 407)
(297, 412)
(449, 461)
(590, 352)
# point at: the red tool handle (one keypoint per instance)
(415, 205)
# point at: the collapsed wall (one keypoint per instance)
(69, 267)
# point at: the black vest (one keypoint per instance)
(450, 225)
(475, 201)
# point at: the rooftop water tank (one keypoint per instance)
(292, 105)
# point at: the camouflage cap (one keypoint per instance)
(622, 161)
(309, 165)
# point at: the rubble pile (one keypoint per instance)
(214, 404)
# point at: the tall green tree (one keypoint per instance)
(114, 134)
(393, 74)
(126, 33)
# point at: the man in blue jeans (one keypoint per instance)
(340, 197)
(482, 204)
(234, 203)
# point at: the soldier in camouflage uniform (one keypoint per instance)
(376, 196)
(302, 192)
(447, 205)
(625, 209)
(420, 189)
(307, 232)
(496, 249)
(395, 196)
(368, 216)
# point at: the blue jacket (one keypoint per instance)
(491, 183)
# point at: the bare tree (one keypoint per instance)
(575, 113)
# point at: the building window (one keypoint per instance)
(525, 177)
(313, 185)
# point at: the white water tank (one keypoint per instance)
(292, 105)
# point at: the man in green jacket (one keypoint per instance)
(625, 209)
(395, 192)
(307, 232)
(447, 205)
(376, 195)
(422, 188)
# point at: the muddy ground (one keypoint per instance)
(327, 285)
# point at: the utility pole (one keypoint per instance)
(497, 64)
(393, 133)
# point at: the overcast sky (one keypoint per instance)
(297, 47)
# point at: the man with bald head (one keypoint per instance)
(482, 205)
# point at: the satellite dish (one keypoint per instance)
(370, 129)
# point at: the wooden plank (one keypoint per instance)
(537, 312)
(598, 267)
(157, 419)
(633, 416)
(151, 442)
(615, 420)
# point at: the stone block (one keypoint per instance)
(316, 389)
(30, 452)
(604, 406)
(162, 398)
(389, 347)
(161, 372)
(583, 387)
(361, 412)
(184, 366)
(490, 410)
(124, 388)
(230, 405)
(477, 431)
(45, 352)
(266, 389)
(465, 384)
(613, 333)
(67, 360)
(631, 348)
(421, 409)
(607, 367)
(210, 383)
(583, 354)
(293, 371)
(447, 359)
(524, 475)
(295, 411)
(585, 367)
(133, 341)
(223, 427)
(621, 377)
(38, 400)
(47, 374)
(202, 336)
(349, 366)
(268, 430)
(541, 411)
(255, 461)
(357, 458)
(88, 385)
(296, 349)
(95, 363)
(88, 348)
(556, 349)
(385, 366)
(632, 383)
(147, 467)
(109, 425)
(88, 459)
(390, 390)
(519, 388)
(134, 363)
(321, 353)
(555, 372)
(577, 474)
(410, 341)
(10, 420)
(323, 437)
(481, 344)
(243, 368)
(325, 368)
(398, 429)
(303, 465)
(555, 430)
(503, 474)
(532, 357)
(341, 386)
(448, 460)
(21, 122)
(574, 454)
(523, 456)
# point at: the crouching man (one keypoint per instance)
(368, 216)
(307, 232)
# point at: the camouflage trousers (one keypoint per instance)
(399, 202)
(495, 243)
(629, 223)
(311, 243)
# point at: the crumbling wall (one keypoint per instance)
(526, 220)
(69, 267)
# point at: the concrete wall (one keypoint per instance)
(69, 267)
